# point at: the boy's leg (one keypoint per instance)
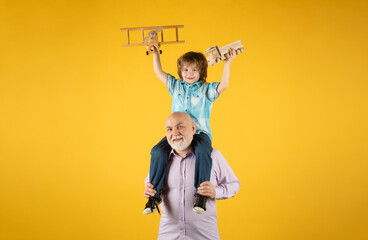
(159, 159)
(202, 146)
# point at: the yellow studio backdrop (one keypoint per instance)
(80, 113)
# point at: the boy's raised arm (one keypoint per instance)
(226, 75)
(157, 66)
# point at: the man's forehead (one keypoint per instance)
(177, 119)
(173, 122)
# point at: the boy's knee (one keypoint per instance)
(158, 152)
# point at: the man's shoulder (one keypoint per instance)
(218, 160)
(215, 151)
(216, 154)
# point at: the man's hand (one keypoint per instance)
(148, 190)
(207, 189)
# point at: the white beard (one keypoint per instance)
(181, 146)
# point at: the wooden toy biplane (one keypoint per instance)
(152, 38)
(215, 54)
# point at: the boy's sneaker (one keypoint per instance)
(152, 205)
(200, 204)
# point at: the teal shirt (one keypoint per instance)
(195, 99)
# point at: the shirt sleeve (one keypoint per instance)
(227, 183)
(147, 179)
(171, 84)
(212, 93)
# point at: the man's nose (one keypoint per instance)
(175, 131)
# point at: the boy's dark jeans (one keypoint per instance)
(202, 147)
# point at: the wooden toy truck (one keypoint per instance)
(215, 54)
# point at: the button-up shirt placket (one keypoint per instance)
(182, 198)
(187, 94)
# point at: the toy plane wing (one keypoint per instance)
(156, 29)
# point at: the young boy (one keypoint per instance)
(193, 95)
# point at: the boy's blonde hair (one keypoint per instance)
(196, 58)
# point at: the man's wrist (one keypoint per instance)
(217, 192)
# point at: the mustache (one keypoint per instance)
(177, 137)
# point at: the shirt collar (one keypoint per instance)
(173, 153)
(199, 83)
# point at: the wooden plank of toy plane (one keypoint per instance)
(152, 28)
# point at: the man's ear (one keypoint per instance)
(194, 127)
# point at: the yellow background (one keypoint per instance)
(79, 115)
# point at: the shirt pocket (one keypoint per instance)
(197, 99)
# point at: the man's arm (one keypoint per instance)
(227, 183)
(148, 190)
(157, 66)
(224, 84)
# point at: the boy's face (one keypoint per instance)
(190, 73)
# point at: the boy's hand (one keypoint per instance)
(153, 48)
(148, 190)
(232, 55)
(206, 189)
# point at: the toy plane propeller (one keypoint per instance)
(151, 39)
